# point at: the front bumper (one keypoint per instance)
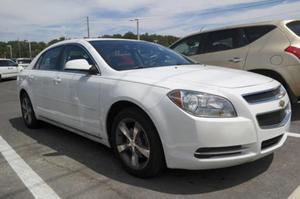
(182, 134)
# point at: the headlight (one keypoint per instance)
(202, 104)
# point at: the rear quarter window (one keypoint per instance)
(255, 32)
(294, 27)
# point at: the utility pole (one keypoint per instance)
(29, 47)
(19, 48)
(137, 27)
(10, 50)
(88, 26)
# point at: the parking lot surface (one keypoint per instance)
(74, 167)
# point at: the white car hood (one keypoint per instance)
(195, 75)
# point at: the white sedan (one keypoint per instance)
(154, 107)
(8, 69)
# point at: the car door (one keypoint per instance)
(225, 48)
(85, 96)
(44, 80)
(13, 67)
(8, 69)
(3, 69)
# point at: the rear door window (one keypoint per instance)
(255, 32)
(3, 63)
(224, 40)
(295, 27)
(11, 63)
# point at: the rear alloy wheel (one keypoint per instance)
(136, 144)
(28, 112)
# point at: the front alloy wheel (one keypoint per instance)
(136, 143)
(132, 144)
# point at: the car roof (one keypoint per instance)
(4, 59)
(273, 22)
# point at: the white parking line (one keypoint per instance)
(32, 181)
(295, 194)
(296, 135)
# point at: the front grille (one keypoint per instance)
(272, 119)
(218, 151)
(262, 96)
(271, 142)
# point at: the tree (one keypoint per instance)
(56, 40)
(165, 40)
(21, 48)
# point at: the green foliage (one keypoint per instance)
(21, 48)
(56, 40)
(165, 40)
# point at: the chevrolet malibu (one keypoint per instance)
(154, 107)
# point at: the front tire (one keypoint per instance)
(136, 143)
(28, 114)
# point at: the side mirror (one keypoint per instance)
(77, 64)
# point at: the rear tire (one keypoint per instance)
(136, 143)
(28, 114)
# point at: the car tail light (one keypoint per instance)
(294, 50)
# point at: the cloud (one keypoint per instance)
(46, 20)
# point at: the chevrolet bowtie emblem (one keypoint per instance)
(281, 103)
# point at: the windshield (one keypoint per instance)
(127, 55)
(295, 27)
(23, 61)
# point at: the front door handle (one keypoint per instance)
(235, 60)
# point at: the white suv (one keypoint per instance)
(268, 48)
(8, 69)
(154, 107)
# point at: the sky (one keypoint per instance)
(44, 20)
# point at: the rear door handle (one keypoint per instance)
(57, 80)
(236, 60)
